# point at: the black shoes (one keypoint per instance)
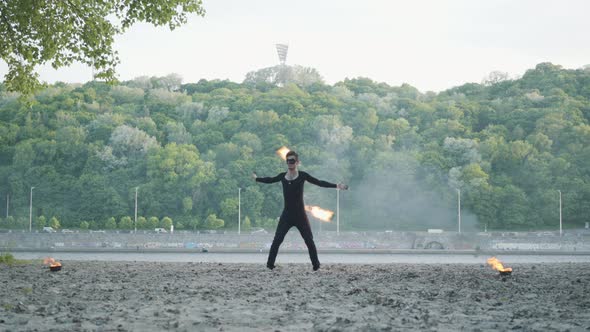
(270, 266)
(316, 267)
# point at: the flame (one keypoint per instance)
(497, 265)
(51, 262)
(282, 152)
(319, 213)
(48, 260)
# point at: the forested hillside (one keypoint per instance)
(507, 145)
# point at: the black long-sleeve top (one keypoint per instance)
(293, 189)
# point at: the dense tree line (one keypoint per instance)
(507, 145)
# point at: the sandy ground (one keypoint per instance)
(139, 296)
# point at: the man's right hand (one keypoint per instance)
(254, 176)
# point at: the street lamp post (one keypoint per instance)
(135, 231)
(31, 211)
(560, 224)
(239, 211)
(459, 209)
(7, 204)
(337, 211)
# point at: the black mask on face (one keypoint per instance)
(291, 161)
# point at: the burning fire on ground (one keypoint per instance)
(53, 264)
(498, 266)
(319, 213)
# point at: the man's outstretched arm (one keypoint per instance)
(325, 184)
(267, 179)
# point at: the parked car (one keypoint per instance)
(48, 230)
(67, 231)
(160, 230)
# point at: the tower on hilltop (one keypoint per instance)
(282, 50)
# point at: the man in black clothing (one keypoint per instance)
(294, 208)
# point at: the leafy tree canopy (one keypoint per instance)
(35, 32)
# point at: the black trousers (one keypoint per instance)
(285, 223)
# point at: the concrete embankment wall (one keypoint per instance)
(327, 241)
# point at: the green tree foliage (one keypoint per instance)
(246, 224)
(94, 225)
(212, 222)
(40, 222)
(33, 33)
(187, 204)
(229, 209)
(153, 222)
(111, 223)
(22, 223)
(142, 223)
(193, 224)
(281, 75)
(508, 145)
(166, 223)
(125, 223)
(268, 223)
(54, 223)
(10, 222)
(84, 225)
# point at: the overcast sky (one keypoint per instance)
(430, 44)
